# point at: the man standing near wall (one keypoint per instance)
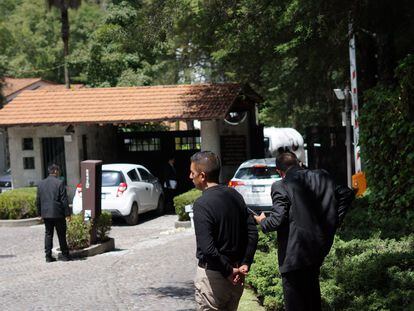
(52, 205)
(307, 209)
(226, 237)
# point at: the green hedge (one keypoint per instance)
(370, 266)
(180, 201)
(387, 144)
(18, 203)
(78, 231)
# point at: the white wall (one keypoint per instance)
(210, 140)
(101, 145)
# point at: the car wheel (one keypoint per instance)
(160, 207)
(132, 218)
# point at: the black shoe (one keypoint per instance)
(50, 259)
(66, 258)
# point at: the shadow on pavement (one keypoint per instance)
(120, 222)
(185, 291)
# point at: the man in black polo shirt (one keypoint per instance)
(226, 237)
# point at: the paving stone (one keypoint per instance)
(152, 268)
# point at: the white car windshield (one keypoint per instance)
(257, 172)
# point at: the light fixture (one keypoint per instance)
(340, 94)
(70, 129)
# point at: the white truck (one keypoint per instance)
(277, 139)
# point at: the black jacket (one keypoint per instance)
(306, 214)
(52, 200)
(169, 174)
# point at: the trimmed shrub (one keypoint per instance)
(180, 201)
(78, 232)
(18, 203)
(103, 226)
(370, 266)
(387, 144)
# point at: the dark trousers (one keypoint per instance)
(60, 225)
(169, 199)
(301, 289)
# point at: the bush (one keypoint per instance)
(103, 226)
(264, 277)
(370, 266)
(387, 144)
(78, 232)
(18, 203)
(184, 199)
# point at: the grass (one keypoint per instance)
(249, 302)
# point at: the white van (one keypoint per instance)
(277, 139)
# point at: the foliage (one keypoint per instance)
(2, 75)
(18, 203)
(30, 37)
(370, 266)
(103, 226)
(144, 127)
(387, 144)
(184, 199)
(78, 232)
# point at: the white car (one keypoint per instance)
(127, 190)
(253, 180)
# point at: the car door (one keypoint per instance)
(151, 198)
(139, 189)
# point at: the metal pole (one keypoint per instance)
(348, 137)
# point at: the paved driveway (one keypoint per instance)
(151, 269)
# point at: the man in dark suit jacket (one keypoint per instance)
(52, 206)
(170, 183)
(306, 212)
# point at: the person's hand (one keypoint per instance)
(259, 218)
(244, 269)
(68, 218)
(234, 277)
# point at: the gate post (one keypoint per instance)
(91, 176)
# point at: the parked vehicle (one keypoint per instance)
(127, 190)
(254, 179)
(277, 139)
(6, 181)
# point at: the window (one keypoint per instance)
(260, 172)
(143, 144)
(28, 163)
(112, 178)
(133, 175)
(144, 174)
(27, 144)
(187, 143)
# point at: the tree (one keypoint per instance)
(63, 6)
(2, 75)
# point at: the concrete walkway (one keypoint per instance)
(152, 269)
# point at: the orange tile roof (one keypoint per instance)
(13, 85)
(120, 104)
(60, 87)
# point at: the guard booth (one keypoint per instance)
(91, 175)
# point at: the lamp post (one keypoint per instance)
(345, 95)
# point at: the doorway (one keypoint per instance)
(54, 153)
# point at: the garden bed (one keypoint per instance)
(92, 250)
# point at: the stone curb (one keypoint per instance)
(20, 222)
(92, 250)
(182, 224)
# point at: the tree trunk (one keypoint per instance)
(65, 39)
